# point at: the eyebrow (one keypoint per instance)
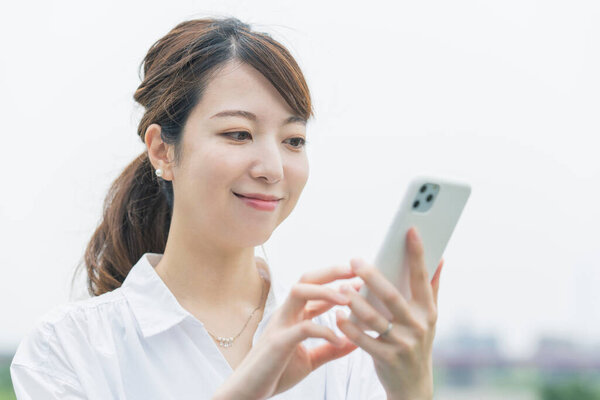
(252, 117)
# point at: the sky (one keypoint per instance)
(503, 95)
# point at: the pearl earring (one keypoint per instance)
(159, 172)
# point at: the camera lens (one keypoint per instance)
(429, 197)
(423, 188)
(416, 204)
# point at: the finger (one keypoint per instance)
(377, 349)
(435, 282)
(364, 311)
(357, 285)
(325, 275)
(301, 293)
(327, 352)
(317, 307)
(420, 286)
(385, 291)
(308, 329)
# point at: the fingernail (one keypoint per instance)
(340, 314)
(415, 235)
(356, 263)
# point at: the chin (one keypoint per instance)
(247, 237)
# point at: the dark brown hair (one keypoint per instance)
(138, 207)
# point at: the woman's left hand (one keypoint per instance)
(403, 356)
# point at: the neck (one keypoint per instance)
(207, 277)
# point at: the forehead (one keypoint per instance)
(238, 85)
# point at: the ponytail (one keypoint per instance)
(136, 219)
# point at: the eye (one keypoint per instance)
(231, 134)
(301, 140)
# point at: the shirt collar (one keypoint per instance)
(156, 308)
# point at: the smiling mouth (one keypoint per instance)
(254, 198)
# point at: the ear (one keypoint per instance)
(159, 152)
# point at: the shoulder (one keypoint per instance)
(57, 315)
(81, 314)
(63, 328)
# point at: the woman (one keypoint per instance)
(181, 307)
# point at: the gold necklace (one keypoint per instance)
(228, 341)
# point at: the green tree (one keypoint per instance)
(576, 388)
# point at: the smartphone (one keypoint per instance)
(433, 205)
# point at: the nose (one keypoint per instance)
(268, 163)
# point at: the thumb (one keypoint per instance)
(328, 352)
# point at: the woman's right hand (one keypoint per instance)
(278, 360)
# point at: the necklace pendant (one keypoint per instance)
(225, 341)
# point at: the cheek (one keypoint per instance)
(206, 173)
(217, 169)
(216, 165)
(297, 175)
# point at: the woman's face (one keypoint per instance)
(225, 153)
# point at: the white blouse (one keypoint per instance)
(138, 342)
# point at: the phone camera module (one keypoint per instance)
(426, 197)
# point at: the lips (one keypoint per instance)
(258, 204)
(258, 196)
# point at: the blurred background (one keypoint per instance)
(501, 94)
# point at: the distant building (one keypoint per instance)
(466, 358)
(464, 355)
(561, 354)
